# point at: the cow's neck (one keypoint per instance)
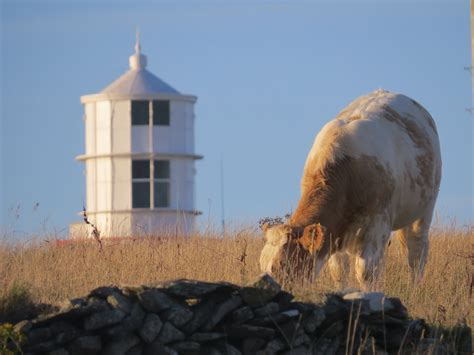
(324, 199)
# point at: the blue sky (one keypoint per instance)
(268, 75)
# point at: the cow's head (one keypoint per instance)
(291, 250)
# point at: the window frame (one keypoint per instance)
(152, 180)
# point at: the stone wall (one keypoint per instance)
(192, 317)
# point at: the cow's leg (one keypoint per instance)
(338, 268)
(370, 253)
(415, 244)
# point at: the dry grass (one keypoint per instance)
(53, 273)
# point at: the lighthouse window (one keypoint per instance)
(141, 183)
(161, 112)
(140, 112)
(162, 183)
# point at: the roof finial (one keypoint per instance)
(138, 48)
(137, 60)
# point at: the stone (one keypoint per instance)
(273, 346)
(247, 331)
(151, 328)
(136, 350)
(186, 347)
(156, 348)
(377, 301)
(225, 348)
(178, 315)
(205, 337)
(71, 311)
(264, 289)
(267, 310)
(291, 331)
(201, 313)
(39, 335)
(221, 311)
(170, 334)
(118, 301)
(104, 291)
(252, 345)
(314, 320)
(155, 301)
(60, 351)
(117, 331)
(85, 345)
(195, 289)
(41, 347)
(283, 298)
(299, 351)
(103, 319)
(242, 314)
(135, 319)
(68, 336)
(23, 327)
(121, 346)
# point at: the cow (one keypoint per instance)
(375, 168)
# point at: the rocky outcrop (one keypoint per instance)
(193, 317)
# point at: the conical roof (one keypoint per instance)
(138, 81)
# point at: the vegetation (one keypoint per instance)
(57, 271)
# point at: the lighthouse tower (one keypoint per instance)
(139, 157)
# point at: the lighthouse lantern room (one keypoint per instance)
(139, 158)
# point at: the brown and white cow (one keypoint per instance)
(374, 169)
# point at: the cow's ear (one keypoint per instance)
(264, 227)
(313, 237)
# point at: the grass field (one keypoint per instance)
(50, 273)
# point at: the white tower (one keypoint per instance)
(139, 159)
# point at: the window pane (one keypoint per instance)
(161, 112)
(140, 169)
(162, 190)
(162, 169)
(140, 112)
(141, 195)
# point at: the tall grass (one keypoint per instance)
(56, 272)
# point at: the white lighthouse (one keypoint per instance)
(139, 157)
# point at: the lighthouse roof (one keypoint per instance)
(137, 83)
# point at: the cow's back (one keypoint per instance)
(399, 139)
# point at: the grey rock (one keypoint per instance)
(71, 311)
(242, 314)
(131, 291)
(86, 345)
(314, 320)
(156, 348)
(186, 347)
(39, 335)
(68, 336)
(200, 315)
(252, 345)
(178, 315)
(291, 331)
(60, 351)
(195, 289)
(247, 331)
(23, 327)
(155, 301)
(136, 350)
(273, 347)
(151, 328)
(103, 291)
(135, 319)
(376, 300)
(221, 311)
(225, 348)
(42, 347)
(267, 310)
(170, 334)
(264, 289)
(205, 337)
(117, 331)
(103, 319)
(299, 351)
(210, 350)
(118, 301)
(118, 347)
